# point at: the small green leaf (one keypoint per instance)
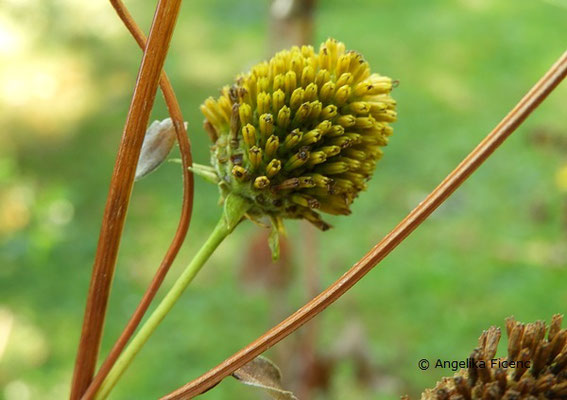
(264, 374)
(235, 207)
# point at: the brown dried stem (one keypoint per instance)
(184, 221)
(120, 190)
(508, 125)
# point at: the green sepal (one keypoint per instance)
(235, 207)
(274, 243)
(276, 230)
(207, 173)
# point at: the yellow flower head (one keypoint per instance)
(301, 132)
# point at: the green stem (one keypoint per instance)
(220, 232)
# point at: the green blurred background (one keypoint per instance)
(496, 248)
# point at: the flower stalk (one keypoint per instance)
(234, 210)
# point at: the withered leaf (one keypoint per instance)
(158, 142)
(262, 373)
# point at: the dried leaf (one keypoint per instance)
(158, 142)
(262, 373)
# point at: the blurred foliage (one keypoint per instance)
(496, 248)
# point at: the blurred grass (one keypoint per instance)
(496, 248)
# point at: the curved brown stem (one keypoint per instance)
(508, 125)
(120, 190)
(184, 220)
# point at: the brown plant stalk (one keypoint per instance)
(120, 190)
(508, 125)
(184, 220)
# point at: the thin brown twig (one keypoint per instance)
(120, 190)
(508, 125)
(184, 220)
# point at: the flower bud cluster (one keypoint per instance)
(302, 132)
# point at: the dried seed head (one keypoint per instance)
(292, 127)
(539, 369)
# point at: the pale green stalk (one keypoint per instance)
(234, 210)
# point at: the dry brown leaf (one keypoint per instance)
(262, 373)
(158, 142)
